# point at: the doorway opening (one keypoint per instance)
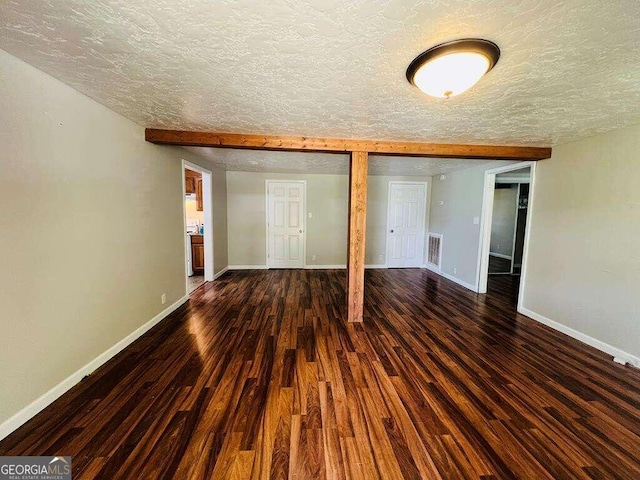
(198, 223)
(509, 220)
(504, 229)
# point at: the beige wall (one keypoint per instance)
(377, 204)
(583, 267)
(327, 200)
(461, 193)
(91, 231)
(503, 220)
(220, 234)
(326, 232)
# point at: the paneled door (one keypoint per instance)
(405, 224)
(285, 224)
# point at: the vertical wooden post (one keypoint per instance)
(357, 234)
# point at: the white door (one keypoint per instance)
(405, 224)
(285, 224)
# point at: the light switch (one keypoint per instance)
(440, 203)
(310, 215)
(476, 220)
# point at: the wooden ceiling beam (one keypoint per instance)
(336, 145)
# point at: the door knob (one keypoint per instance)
(300, 231)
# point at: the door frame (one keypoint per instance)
(425, 226)
(207, 209)
(485, 225)
(304, 218)
(515, 228)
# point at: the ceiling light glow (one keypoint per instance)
(451, 68)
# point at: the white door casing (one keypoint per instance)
(406, 224)
(484, 243)
(285, 224)
(207, 204)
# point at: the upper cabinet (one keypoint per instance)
(199, 194)
(193, 184)
(190, 184)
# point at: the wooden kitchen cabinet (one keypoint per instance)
(199, 194)
(190, 184)
(197, 254)
(193, 184)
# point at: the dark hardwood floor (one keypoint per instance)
(499, 265)
(257, 376)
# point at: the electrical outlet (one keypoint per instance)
(313, 257)
(440, 203)
(310, 214)
(380, 257)
(455, 270)
(476, 220)
(163, 298)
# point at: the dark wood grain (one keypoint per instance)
(260, 376)
(197, 254)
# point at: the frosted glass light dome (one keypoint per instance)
(452, 68)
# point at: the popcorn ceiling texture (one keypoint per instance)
(336, 68)
(329, 163)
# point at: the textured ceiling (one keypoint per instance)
(336, 67)
(328, 163)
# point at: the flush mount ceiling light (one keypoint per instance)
(451, 68)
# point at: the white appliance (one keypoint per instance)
(189, 259)
(192, 227)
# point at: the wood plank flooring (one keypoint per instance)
(499, 265)
(258, 376)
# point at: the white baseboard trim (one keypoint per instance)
(247, 267)
(324, 267)
(500, 255)
(434, 269)
(306, 267)
(584, 338)
(376, 265)
(40, 403)
(220, 273)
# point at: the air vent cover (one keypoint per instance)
(434, 252)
